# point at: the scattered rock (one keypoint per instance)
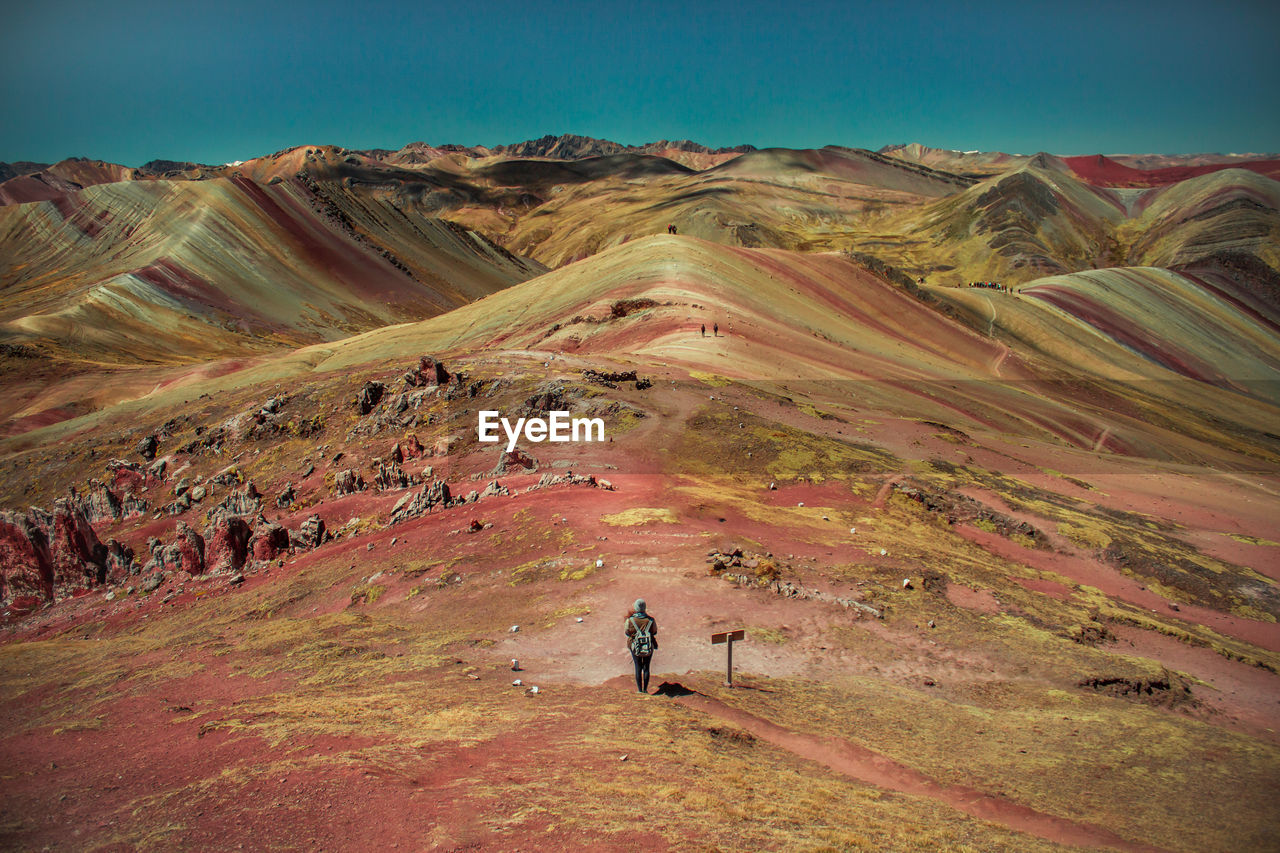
(961, 509)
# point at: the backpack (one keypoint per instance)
(642, 642)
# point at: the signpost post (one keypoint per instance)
(727, 637)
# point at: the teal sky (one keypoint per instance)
(135, 80)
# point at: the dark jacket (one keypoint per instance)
(639, 622)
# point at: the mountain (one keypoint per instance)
(1106, 171)
(572, 147)
(161, 272)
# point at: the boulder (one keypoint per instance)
(269, 540)
(369, 397)
(408, 448)
(157, 469)
(147, 447)
(429, 373)
(286, 497)
(312, 533)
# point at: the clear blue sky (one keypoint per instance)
(133, 80)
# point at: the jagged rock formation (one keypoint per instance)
(431, 495)
(226, 543)
(348, 481)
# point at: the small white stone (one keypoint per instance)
(533, 689)
(853, 530)
(514, 628)
(800, 504)
(579, 618)
(884, 553)
(517, 683)
(599, 564)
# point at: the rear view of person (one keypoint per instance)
(642, 640)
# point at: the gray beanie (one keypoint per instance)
(640, 605)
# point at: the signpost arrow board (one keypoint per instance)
(728, 638)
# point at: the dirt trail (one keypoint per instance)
(871, 767)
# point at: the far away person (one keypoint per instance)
(642, 640)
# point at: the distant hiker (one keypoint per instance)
(642, 640)
(704, 330)
(716, 328)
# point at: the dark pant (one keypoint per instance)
(642, 671)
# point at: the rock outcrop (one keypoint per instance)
(226, 543)
(390, 475)
(548, 480)
(433, 494)
(246, 500)
(269, 540)
(409, 448)
(369, 397)
(100, 504)
(427, 374)
(348, 481)
(312, 534)
(26, 568)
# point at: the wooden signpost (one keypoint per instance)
(728, 637)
